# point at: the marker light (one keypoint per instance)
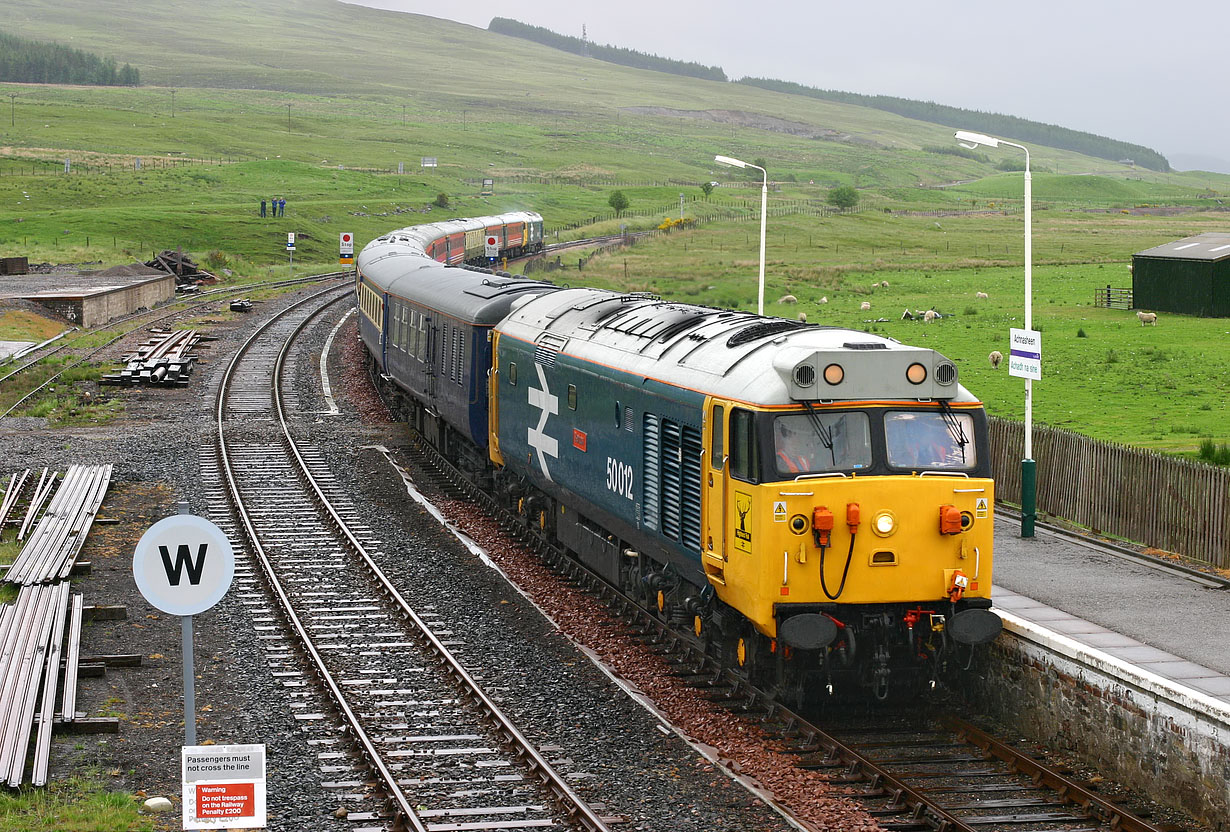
(916, 374)
(884, 524)
(834, 374)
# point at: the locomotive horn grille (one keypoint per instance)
(945, 373)
(804, 375)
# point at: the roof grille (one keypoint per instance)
(762, 330)
(865, 345)
(549, 346)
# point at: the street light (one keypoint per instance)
(1029, 481)
(764, 208)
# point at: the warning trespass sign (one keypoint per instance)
(224, 786)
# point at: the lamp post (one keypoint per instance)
(764, 208)
(1029, 477)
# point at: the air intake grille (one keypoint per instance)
(672, 479)
(945, 373)
(652, 482)
(690, 492)
(804, 375)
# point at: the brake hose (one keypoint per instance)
(844, 572)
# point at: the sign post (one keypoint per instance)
(492, 247)
(1025, 361)
(346, 241)
(183, 565)
(290, 247)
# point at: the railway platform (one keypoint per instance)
(1164, 620)
(1121, 658)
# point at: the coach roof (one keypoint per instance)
(469, 296)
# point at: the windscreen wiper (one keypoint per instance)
(955, 429)
(825, 434)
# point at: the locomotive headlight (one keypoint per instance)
(834, 373)
(884, 523)
(916, 373)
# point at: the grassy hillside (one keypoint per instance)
(570, 106)
(318, 102)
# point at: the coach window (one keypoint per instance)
(744, 459)
(512, 374)
(717, 446)
(423, 338)
(572, 397)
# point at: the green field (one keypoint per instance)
(319, 102)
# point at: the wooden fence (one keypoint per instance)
(1160, 501)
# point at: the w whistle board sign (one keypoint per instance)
(183, 564)
(224, 786)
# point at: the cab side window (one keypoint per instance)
(717, 447)
(744, 458)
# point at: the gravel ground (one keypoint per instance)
(531, 647)
(153, 447)
(616, 752)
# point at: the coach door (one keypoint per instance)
(713, 546)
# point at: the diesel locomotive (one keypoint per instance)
(814, 503)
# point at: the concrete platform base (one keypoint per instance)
(1164, 739)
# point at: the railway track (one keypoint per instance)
(82, 349)
(938, 773)
(420, 740)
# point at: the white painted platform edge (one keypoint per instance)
(1159, 686)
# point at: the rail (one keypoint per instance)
(53, 547)
(403, 806)
(912, 801)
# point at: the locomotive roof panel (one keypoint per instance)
(736, 354)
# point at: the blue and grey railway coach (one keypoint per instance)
(428, 328)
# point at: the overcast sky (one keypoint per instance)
(1153, 73)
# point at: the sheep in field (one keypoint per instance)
(787, 299)
(1147, 318)
(865, 306)
(803, 317)
(824, 299)
(930, 315)
(883, 284)
(996, 356)
(875, 285)
(982, 296)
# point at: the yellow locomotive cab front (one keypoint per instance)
(910, 539)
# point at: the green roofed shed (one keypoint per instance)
(1189, 276)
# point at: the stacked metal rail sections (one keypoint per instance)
(31, 645)
(32, 628)
(52, 549)
(165, 359)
